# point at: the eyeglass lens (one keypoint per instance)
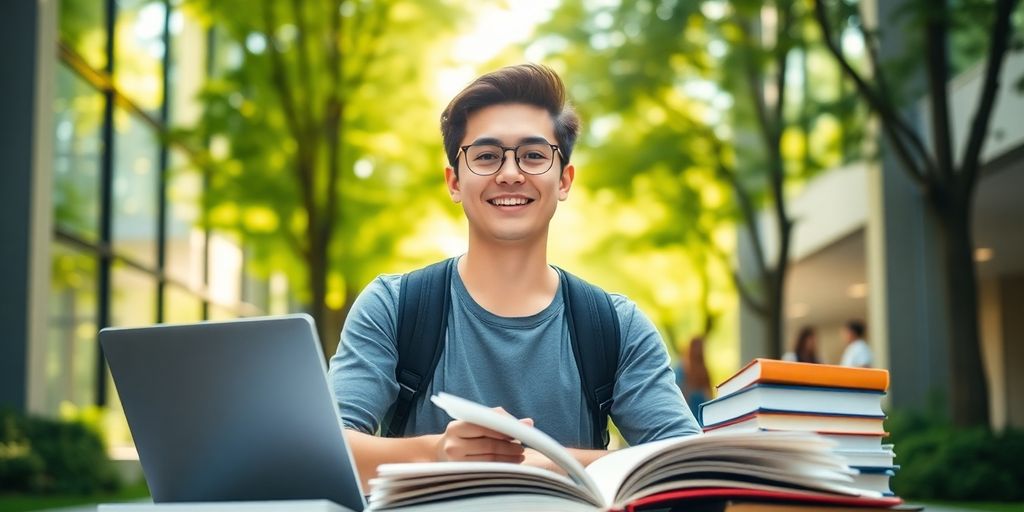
(532, 158)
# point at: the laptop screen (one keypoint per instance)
(232, 411)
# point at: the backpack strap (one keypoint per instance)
(594, 332)
(423, 306)
(424, 300)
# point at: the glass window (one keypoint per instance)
(83, 28)
(136, 175)
(225, 274)
(132, 304)
(221, 313)
(115, 426)
(185, 238)
(132, 297)
(187, 64)
(71, 356)
(139, 52)
(181, 306)
(78, 116)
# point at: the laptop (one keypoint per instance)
(233, 411)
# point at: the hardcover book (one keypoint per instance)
(789, 467)
(772, 371)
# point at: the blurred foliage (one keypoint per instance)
(940, 462)
(674, 124)
(915, 50)
(312, 137)
(40, 455)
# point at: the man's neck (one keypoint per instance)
(511, 280)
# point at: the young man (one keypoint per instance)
(508, 137)
(857, 352)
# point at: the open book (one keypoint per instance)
(790, 466)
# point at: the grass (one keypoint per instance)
(25, 502)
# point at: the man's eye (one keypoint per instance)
(486, 156)
(534, 155)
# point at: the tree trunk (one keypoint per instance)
(968, 385)
(773, 322)
(316, 264)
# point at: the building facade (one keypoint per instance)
(102, 219)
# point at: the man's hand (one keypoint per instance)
(463, 441)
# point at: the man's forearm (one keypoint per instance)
(585, 457)
(371, 451)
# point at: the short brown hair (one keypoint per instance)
(531, 84)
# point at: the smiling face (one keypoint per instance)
(509, 206)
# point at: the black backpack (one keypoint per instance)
(423, 306)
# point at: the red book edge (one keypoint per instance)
(723, 492)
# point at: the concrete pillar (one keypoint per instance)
(28, 39)
(906, 300)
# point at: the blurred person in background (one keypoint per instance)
(858, 352)
(806, 348)
(697, 388)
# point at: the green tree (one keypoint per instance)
(312, 136)
(947, 182)
(705, 92)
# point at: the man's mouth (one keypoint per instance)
(510, 201)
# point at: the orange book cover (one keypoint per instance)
(805, 374)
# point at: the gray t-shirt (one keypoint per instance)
(523, 364)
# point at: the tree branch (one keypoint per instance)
(744, 200)
(1001, 32)
(777, 166)
(893, 125)
(279, 75)
(937, 65)
(785, 16)
(333, 120)
(899, 128)
(755, 82)
(369, 49)
(747, 296)
(305, 68)
(745, 293)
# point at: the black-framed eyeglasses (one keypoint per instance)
(531, 158)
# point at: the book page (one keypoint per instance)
(466, 410)
(783, 456)
(406, 484)
(611, 470)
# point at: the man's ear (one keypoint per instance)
(451, 177)
(565, 182)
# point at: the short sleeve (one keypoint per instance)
(647, 405)
(362, 372)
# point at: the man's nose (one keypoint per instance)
(509, 171)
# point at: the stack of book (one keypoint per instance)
(840, 403)
(731, 471)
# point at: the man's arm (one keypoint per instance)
(583, 456)
(370, 451)
(647, 405)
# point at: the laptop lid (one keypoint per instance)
(232, 411)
